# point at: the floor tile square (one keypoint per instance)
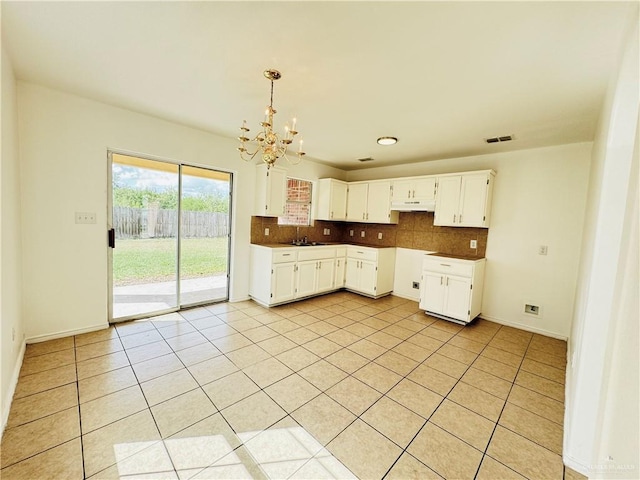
(95, 336)
(259, 333)
(367, 349)
(232, 342)
(112, 407)
(323, 417)
(487, 382)
(301, 335)
(529, 425)
(464, 424)
(292, 392)
(168, 386)
(432, 379)
(412, 351)
(483, 403)
(394, 421)
(445, 454)
(253, 414)
(457, 353)
(98, 349)
(397, 363)
(267, 372)
(537, 403)
(199, 353)
(446, 365)
(47, 361)
(212, 369)
(542, 370)
(182, 411)
(415, 397)
(378, 377)
(524, 456)
(410, 468)
(148, 351)
(347, 360)
(103, 364)
(541, 385)
(322, 347)
(27, 409)
(39, 382)
(246, 356)
(277, 345)
(322, 374)
(26, 440)
(492, 469)
(157, 367)
(63, 461)
(353, 395)
(297, 358)
(230, 389)
(142, 338)
(502, 370)
(343, 338)
(186, 340)
(364, 451)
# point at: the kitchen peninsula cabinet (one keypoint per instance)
(451, 288)
(464, 200)
(369, 270)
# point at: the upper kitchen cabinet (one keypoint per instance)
(416, 193)
(331, 200)
(271, 191)
(370, 202)
(464, 200)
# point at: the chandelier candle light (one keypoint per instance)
(272, 145)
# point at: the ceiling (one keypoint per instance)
(440, 76)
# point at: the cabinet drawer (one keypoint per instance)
(316, 254)
(284, 256)
(362, 253)
(448, 267)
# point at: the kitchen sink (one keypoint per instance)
(307, 244)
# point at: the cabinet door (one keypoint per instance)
(447, 201)
(338, 201)
(339, 272)
(283, 283)
(432, 298)
(357, 202)
(458, 297)
(326, 272)
(368, 277)
(276, 192)
(473, 200)
(306, 282)
(378, 202)
(402, 191)
(424, 189)
(352, 274)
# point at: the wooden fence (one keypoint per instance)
(160, 223)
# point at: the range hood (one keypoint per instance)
(414, 206)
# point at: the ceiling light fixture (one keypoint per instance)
(272, 145)
(387, 140)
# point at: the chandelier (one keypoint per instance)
(271, 145)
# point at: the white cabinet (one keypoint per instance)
(370, 202)
(451, 288)
(271, 191)
(331, 199)
(280, 275)
(464, 200)
(315, 271)
(414, 193)
(370, 270)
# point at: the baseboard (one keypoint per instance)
(239, 299)
(522, 326)
(66, 333)
(576, 465)
(12, 388)
(406, 297)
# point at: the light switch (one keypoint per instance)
(266, 232)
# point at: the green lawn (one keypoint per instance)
(154, 260)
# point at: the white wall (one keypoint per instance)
(601, 416)
(11, 320)
(539, 199)
(64, 140)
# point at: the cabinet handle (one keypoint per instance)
(367, 215)
(445, 265)
(286, 254)
(331, 214)
(447, 281)
(414, 194)
(319, 265)
(359, 252)
(460, 219)
(338, 263)
(440, 280)
(454, 218)
(409, 194)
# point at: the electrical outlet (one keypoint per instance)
(266, 232)
(351, 233)
(416, 285)
(531, 309)
(542, 250)
(380, 236)
(473, 244)
(85, 217)
(362, 233)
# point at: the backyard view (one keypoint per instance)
(147, 207)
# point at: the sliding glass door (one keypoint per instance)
(169, 234)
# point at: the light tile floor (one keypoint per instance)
(339, 386)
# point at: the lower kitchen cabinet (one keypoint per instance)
(370, 270)
(452, 287)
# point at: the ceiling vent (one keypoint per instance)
(506, 138)
(368, 159)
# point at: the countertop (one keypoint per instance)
(459, 257)
(323, 244)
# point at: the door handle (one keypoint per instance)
(111, 237)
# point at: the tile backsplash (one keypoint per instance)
(414, 230)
